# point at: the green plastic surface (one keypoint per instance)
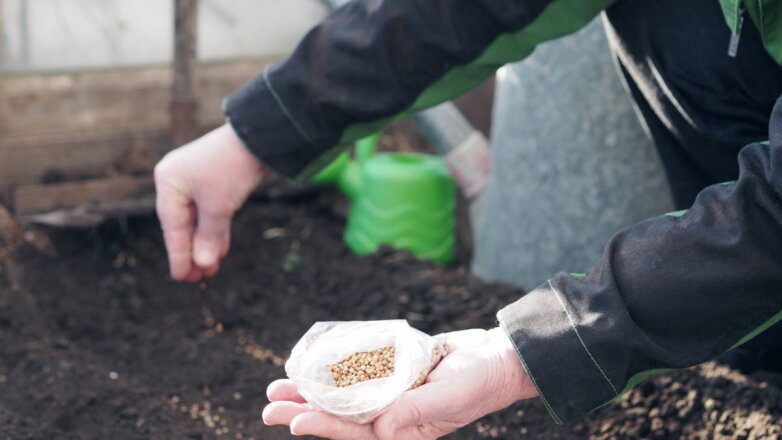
(404, 200)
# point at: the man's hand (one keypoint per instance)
(480, 374)
(199, 187)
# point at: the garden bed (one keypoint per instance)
(97, 343)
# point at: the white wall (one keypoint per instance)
(45, 35)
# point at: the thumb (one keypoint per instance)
(211, 239)
(413, 408)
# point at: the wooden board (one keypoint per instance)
(184, 97)
(36, 199)
(48, 158)
(101, 100)
(96, 124)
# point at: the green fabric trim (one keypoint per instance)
(578, 276)
(639, 377)
(730, 9)
(307, 174)
(767, 16)
(771, 12)
(763, 327)
(677, 214)
(560, 18)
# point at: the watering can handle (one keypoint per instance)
(366, 147)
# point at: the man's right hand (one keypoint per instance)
(480, 374)
(199, 188)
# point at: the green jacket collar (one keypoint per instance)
(731, 10)
(767, 16)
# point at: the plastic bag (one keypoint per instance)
(328, 343)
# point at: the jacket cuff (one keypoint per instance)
(263, 123)
(548, 340)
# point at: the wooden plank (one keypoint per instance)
(111, 100)
(35, 199)
(49, 158)
(93, 215)
(184, 99)
(98, 124)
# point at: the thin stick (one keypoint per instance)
(184, 102)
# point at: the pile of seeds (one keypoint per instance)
(363, 366)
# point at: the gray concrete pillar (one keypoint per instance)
(571, 165)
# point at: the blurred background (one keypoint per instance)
(94, 92)
(77, 35)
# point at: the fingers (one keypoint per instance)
(177, 218)
(212, 271)
(289, 408)
(324, 425)
(283, 413)
(283, 390)
(210, 242)
(194, 275)
(303, 420)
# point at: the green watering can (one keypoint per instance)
(404, 200)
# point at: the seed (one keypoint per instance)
(363, 366)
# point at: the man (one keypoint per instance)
(670, 292)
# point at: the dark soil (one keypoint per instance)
(97, 343)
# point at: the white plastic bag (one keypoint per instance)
(328, 343)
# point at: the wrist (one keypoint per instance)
(516, 382)
(243, 152)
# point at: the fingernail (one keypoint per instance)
(203, 257)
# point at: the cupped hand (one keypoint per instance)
(480, 374)
(199, 188)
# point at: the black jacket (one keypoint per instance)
(670, 292)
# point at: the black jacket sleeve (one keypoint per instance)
(670, 292)
(373, 60)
